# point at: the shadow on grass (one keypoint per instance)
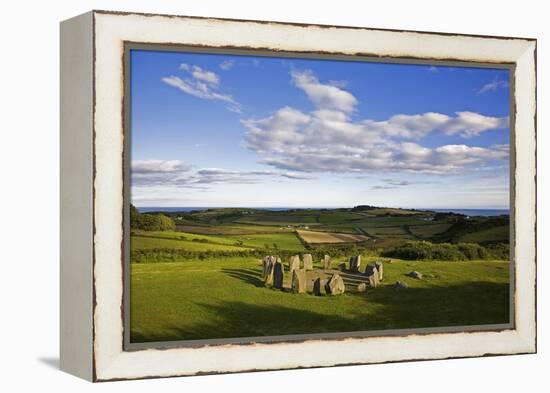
(249, 276)
(233, 319)
(473, 303)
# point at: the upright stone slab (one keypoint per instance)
(370, 269)
(308, 262)
(380, 268)
(278, 274)
(342, 267)
(326, 262)
(335, 285)
(294, 263)
(268, 265)
(299, 281)
(317, 285)
(355, 263)
(373, 279)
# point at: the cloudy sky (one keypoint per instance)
(218, 130)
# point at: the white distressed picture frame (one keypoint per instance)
(92, 196)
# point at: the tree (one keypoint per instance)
(150, 222)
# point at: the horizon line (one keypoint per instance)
(320, 207)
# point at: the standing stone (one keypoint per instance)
(362, 287)
(380, 268)
(326, 262)
(294, 263)
(318, 284)
(355, 263)
(373, 280)
(308, 262)
(268, 265)
(299, 281)
(278, 274)
(372, 273)
(335, 286)
(342, 267)
(371, 269)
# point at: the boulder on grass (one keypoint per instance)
(335, 285)
(299, 281)
(294, 263)
(362, 287)
(415, 274)
(326, 262)
(308, 262)
(400, 285)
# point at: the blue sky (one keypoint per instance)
(219, 130)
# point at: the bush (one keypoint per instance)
(417, 250)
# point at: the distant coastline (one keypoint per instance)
(466, 212)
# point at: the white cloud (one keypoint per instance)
(433, 69)
(493, 85)
(327, 139)
(324, 96)
(158, 166)
(409, 126)
(226, 65)
(470, 124)
(175, 173)
(203, 84)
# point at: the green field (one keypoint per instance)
(499, 233)
(226, 298)
(192, 241)
(200, 278)
(145, 242)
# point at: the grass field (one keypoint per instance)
(142, 242)
(203, 280)
(313, 237)
(226, 298)
(499, 233)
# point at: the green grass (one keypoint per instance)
(226, 298)
(280, 219)
(230, 229)
(495, 234)
(192, 241)
(284, 241)
(427, 231)
(141, 243)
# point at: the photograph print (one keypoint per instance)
(274, 198)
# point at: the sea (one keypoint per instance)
(466, 212)
(474, 212)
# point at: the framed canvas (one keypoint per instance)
(247, 195)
